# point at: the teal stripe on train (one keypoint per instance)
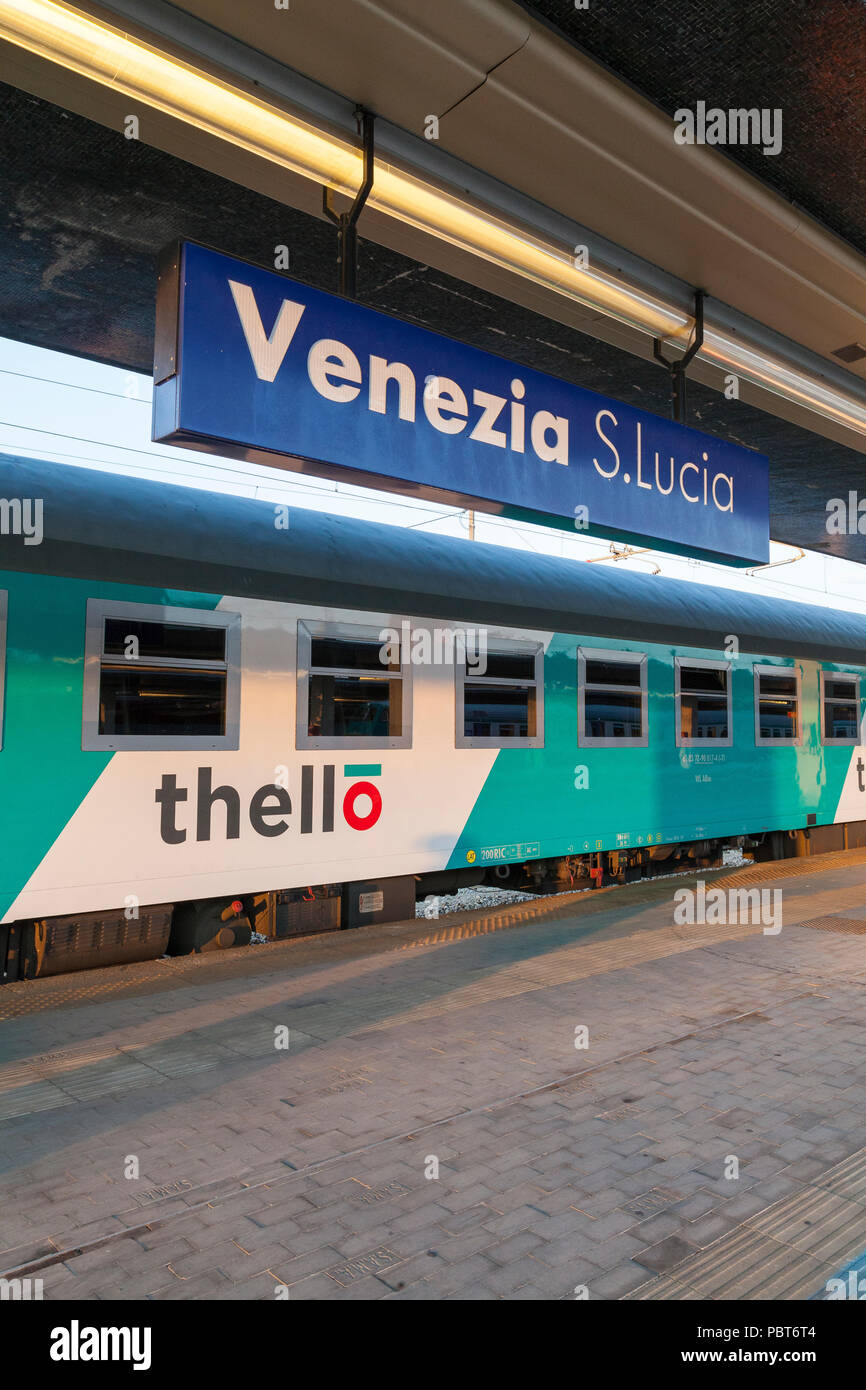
(44, 775)
(657, 794)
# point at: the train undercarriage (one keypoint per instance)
(34, 949)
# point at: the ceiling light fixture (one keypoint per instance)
(123, 62)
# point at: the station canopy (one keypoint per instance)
(550, 119)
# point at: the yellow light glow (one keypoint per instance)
(104, 54)
(784, 380)
(433, 210)
(95, 50)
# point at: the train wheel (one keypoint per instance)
(206, 926)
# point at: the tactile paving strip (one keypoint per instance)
(787, 1251)
(27, 997)
(843, 924)
(792, 868)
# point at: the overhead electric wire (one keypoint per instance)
(76, 385)
(254, 483)
(250, 482)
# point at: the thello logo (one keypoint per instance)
(362, 792)
(270, 807)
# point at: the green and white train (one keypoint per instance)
(220, 717)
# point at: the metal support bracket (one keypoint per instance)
(677, 367)
(347, 222)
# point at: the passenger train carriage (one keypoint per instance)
(219, 716)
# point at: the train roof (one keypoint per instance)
(106, 526)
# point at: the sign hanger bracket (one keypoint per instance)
(677, 366)
(347, 222)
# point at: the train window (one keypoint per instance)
(840, 707)
(777, 705)
(499, 702)
(703, 703)
(354, 687)
(3, 602)
(611, 698)
(160, 678)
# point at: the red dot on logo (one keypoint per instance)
(362, 789)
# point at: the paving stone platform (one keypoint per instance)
(432, 1130)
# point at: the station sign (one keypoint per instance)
(252, 364)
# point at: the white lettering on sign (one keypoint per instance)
(266, 351)
(335, 372)
(445, 395)
(663, 473)
(329, 358)
(381, 372)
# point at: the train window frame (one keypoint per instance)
(4, 611)
(98, 610)
(762, 669)
(640, 659)
(507, 646)
(309, 628)
(702, 663)
(847, 742)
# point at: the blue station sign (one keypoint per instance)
(252, 364)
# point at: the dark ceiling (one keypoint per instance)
(805, 57)
(85, 212)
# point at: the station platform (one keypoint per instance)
(519, 1103)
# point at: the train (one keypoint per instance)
(221, 716)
